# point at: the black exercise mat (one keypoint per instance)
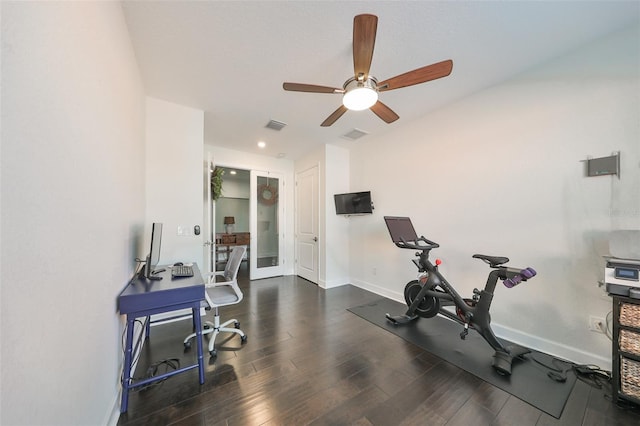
(441, 337)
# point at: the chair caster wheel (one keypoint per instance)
(187, 345)
(213, 353)
(243, 339)
(237, 324)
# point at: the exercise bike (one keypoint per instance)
(431, 293)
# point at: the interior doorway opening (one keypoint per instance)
(249, 211)
(231, 215)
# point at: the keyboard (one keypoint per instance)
(181, 271)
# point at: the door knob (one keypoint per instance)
(315, 239)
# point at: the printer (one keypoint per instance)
(622, 277)
(622, 269)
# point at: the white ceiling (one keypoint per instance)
(230, 58)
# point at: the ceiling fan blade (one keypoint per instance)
(384, 112)
(333, 117)
(417, 76)
(311, 88)
(364, 39)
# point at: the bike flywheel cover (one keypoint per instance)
(428, 307)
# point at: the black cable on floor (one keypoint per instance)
(555, 373)
(156, 369)
(593, 375)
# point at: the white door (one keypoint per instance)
(307, 224)
(208, 220)
(266, 206)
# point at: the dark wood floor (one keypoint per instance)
(310, 361)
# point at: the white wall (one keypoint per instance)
(501, 173)
(246, 161)
(238, 208)
(234, 201)
(333, 230)
(235, 188)
(337, 228)
(175, 179)
(72, 207)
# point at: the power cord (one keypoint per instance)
(607, 323)
(139, 268)
(169, 364)
(590, 374)
(593, 375)
(133, 361)
(555, 373)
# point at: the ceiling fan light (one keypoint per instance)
(360, 98)
(360, 94)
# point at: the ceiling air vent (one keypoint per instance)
(355, 134)
(275, 125)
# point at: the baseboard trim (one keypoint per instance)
(555, 349)
(114, 415)
(335, 283)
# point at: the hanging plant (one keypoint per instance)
(216, 183)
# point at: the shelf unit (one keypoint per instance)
(626, 348)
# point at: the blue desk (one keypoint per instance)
(142, 298)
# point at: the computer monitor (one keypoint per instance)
(400, 228)
(154, 252)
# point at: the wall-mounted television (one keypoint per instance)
(353, 203)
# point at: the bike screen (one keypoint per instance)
(401, 229)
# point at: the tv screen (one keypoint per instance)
(353, 203)
(154, 252)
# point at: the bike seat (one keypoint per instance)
(493, 261)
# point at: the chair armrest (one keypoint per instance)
(212, 274)
(210, 277)
(219, 284)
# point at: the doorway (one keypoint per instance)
(249, 211)
(231, 215)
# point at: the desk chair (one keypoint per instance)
(222, 293)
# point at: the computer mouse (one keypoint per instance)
(178, 264)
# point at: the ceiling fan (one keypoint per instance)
(361, 91)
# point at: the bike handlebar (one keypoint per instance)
(416, 245)
(423, 244)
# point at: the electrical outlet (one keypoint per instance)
(597, 324)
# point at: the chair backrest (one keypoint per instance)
(227, 292)
(233, 264)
